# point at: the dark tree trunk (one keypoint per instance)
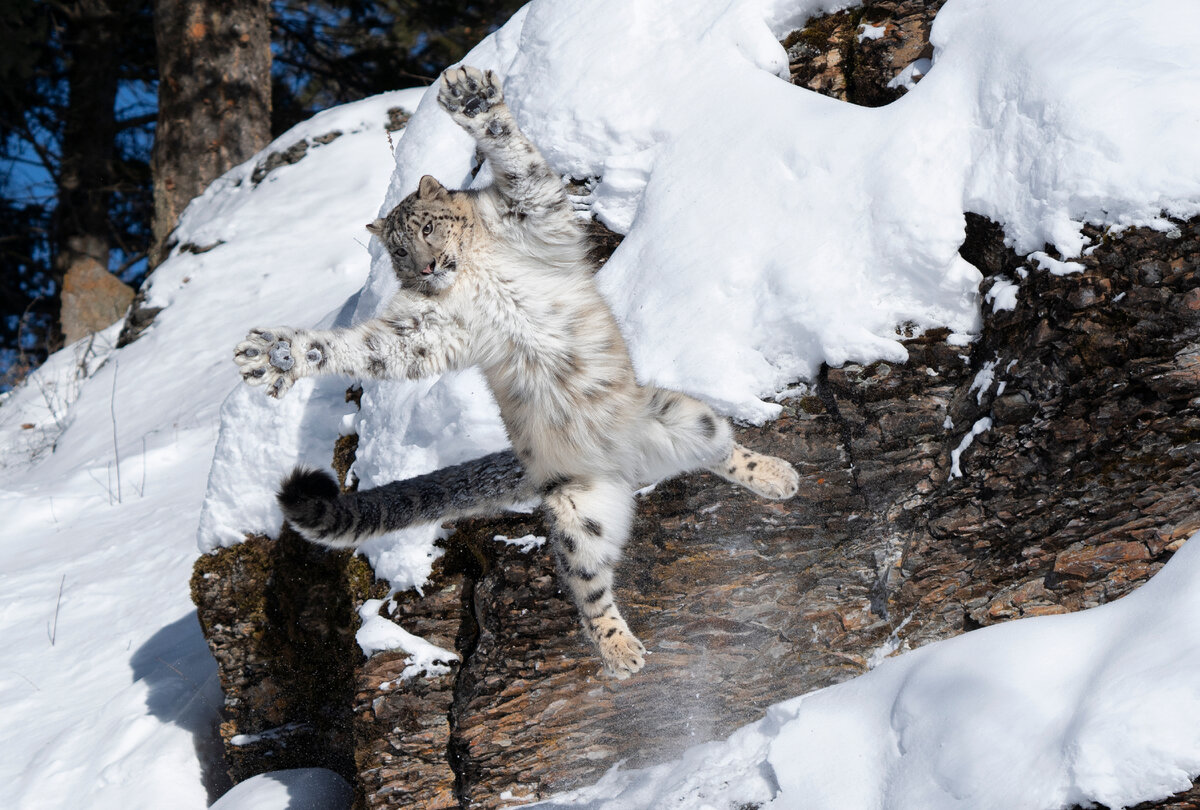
(88, 145)
(214, 99)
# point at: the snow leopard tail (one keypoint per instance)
(316, 507)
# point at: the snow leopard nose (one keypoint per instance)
(428, 269)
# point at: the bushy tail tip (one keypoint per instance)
(305, 496)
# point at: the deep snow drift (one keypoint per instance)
(769, 230)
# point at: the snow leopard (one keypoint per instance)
(501, 278)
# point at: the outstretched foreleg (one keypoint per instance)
(475, 100)
(400, 345)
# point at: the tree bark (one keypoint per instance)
(214, 99)
(89, 139)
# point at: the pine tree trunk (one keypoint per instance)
(214, 99)
(88, 146)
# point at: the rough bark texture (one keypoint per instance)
(214, 99)
(86, 179)
(1082, 488)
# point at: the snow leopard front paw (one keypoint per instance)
(265, 358)
(468, 92)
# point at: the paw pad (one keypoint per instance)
(281, 356)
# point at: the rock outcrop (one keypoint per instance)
(1048, 466)
(92, 299)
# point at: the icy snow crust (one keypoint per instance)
(1099, 706)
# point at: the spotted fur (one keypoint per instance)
(500, 278)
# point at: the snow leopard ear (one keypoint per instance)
(430, 187)
(376, 227)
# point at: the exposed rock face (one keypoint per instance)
(1078, 488)
(92, 299)
(279, 618)
(858, 55)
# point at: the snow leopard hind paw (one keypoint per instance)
(467, 92)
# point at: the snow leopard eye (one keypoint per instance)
(428, 229)
(401, 251)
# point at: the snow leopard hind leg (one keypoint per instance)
(315, 506)
(688, 435)
(590, 521)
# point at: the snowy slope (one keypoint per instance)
(768, 230)
(110, 713)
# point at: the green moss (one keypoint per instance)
(249, 559)
(811, 405)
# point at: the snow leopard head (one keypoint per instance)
(424, 236)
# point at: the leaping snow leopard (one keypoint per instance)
(500, 278)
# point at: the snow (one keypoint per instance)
(1048, 712)
(378, 633)
(296, 789)
(911, 74)
(110, 693)
(768, 230)
(866, 32)
(1003, 295)
(981, 425)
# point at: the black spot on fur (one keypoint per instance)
(582, 573)
(593, 527)
(751, 465)
(371, 341)
(554, 483)
(595, 596)
(612, 631)
(323, 350)
(376, 366)
(567, 543)
(708, 425)
(401, 327)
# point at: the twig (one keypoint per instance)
(53, 630)
(142, 490)
(198, 687)
(112, 409)
(108, 486)
(22, 677)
